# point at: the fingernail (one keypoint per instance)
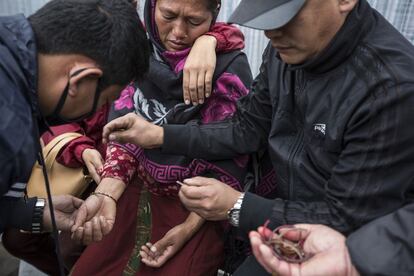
(112, 137)
(201, 101)
(207, 95)
(153, 249)
(187, 102)
(195, 103)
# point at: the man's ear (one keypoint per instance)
(82, 72)
(347, 6)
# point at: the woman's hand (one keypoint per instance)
(155, 255)
(96, 217)
(94, 220)
(199, 70)
(94, 162)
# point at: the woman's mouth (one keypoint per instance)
(177, 45)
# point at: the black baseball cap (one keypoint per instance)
(265, 14)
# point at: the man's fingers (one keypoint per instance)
(199, 181)
(273, 264)
(297, 232)
(121, 137)
(193, 193)
(116, 125)
(201, 87)
(80, 217)
(77, 202)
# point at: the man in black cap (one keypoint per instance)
(333, 105)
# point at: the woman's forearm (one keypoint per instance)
(193, 223)
(111, 186)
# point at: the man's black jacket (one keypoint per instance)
(339, 129)
(18, 83)
(386, 245)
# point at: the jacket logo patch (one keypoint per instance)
(321, 128)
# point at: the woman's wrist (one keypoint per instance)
(193, 223)
(207, 39)
(111, 186)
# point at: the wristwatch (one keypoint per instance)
(234, 213)
(37, 220)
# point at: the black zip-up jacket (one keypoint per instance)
(339, 129)
(18, 84)
(386, 245)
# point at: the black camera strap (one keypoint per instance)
(41, 160)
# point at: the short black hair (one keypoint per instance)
(108, 31)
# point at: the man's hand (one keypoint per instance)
(94, 162)
(208, 197)
(199, 70)
(133, 129)
(330, 254)
(65, 209)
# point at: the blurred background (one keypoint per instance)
(399, 12)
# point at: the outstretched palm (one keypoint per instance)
(327, 247)
(95, 219)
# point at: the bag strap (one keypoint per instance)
(52, 149)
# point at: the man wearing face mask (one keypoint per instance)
(58, 66)
(333, 105)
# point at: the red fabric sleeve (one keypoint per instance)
(58, 130)
(119, 164)
(228, 37)
(91, 128)
(71, 154)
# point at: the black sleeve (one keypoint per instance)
(16, 213)
(17, 154)
(386, 245)
(245, 133)
(373, 175)
(254, 212)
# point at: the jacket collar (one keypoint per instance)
(355, 28)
